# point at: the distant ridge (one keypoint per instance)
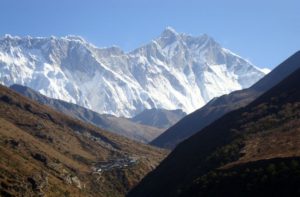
(121, 126)
(160, 118)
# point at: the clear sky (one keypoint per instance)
(263, 31)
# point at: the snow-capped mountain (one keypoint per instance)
(173, 71)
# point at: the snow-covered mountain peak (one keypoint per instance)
(169, 31)
(8, 37)
(174, 71)
(167, 37)
(76, 38)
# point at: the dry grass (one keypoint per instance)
(40, 144)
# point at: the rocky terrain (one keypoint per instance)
(46, 153)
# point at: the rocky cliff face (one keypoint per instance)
(173, 71)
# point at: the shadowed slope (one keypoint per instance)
(217, 107)
(267, 128)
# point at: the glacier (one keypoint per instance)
(173, 71)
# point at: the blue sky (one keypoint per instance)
(263, 31)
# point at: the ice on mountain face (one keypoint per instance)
(265, 70)
(174, 71)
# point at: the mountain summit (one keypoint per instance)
(174, 71)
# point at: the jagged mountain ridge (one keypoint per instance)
(118, 125)
(174, 71)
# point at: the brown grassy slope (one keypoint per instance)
(45, 152)
(267, 128)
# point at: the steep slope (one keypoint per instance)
(261, 137)
(43, 152)
(174, 71)
(160, 118)
(121, 126)
(217, 107)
